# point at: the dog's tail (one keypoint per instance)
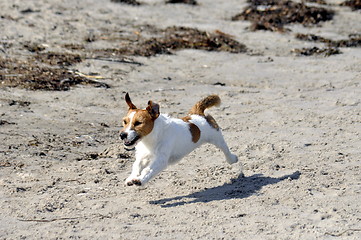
(210, 101)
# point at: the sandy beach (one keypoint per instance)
(291, 104)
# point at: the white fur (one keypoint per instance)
(169, 141)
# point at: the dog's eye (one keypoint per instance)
(125, 122)
(137, 123)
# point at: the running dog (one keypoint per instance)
(161, 140)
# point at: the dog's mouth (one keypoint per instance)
(130, 144)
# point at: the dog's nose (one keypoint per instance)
(123, 135)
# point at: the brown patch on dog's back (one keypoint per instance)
(195, 132)
(201, 106)
(186, 118)
(212, 122)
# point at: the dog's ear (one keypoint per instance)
(153, 109)
(129, 102)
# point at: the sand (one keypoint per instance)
(294, 122)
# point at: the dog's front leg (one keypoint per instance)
(139, 164)
(159, 163)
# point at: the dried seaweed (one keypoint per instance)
(322, 2)
(29, 75)
(274, 15)
(73, 46)
(34, 47)
(353, 41)
(317, 51)
(59, 59)
(190, 2)
(311, 38)
(332, 45)
(353, 4)
(177, 38)
(129, 2)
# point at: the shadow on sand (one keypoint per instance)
(240, 187)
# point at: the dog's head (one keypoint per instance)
(138, 123)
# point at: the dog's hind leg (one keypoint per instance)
(220, 143)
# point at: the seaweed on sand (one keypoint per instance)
(129, 2)
(352, 41)
(178, 38)
(317, 51)
(274, 15)
(353, 4)
(32, 76)
(190, 2)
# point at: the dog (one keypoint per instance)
(161, 140)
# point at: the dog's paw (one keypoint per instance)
(232, 159)
(129, 181)
(137, 182)
(133, 181)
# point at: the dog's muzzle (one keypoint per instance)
(130, 139)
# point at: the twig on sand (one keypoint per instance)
(91, 79)
(65, 218)
(343, 232)
(48, 220)
(123, 60)
(89, 76)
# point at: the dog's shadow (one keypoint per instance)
(240, 187)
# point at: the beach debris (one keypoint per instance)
(33, 76)
(120, 60)
(176, 38)
(91, 37)
(219, 84)
(273, 15)
(353, 4)
(29, 10)
(353, 41)
(34, 47)
(190, 2)
(59, 59)
(317, 51)
(321, 2)
(94, 76)
(4, 122)
(19, 103)
(129, 2)
(74, 46)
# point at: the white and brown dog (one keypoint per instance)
(160, 140)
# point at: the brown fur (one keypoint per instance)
(186, 118)
(129, 102)
(144, 118)
(153, 109)
(196, 133)
(211, 121)
(210, 101)
(202, 105)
